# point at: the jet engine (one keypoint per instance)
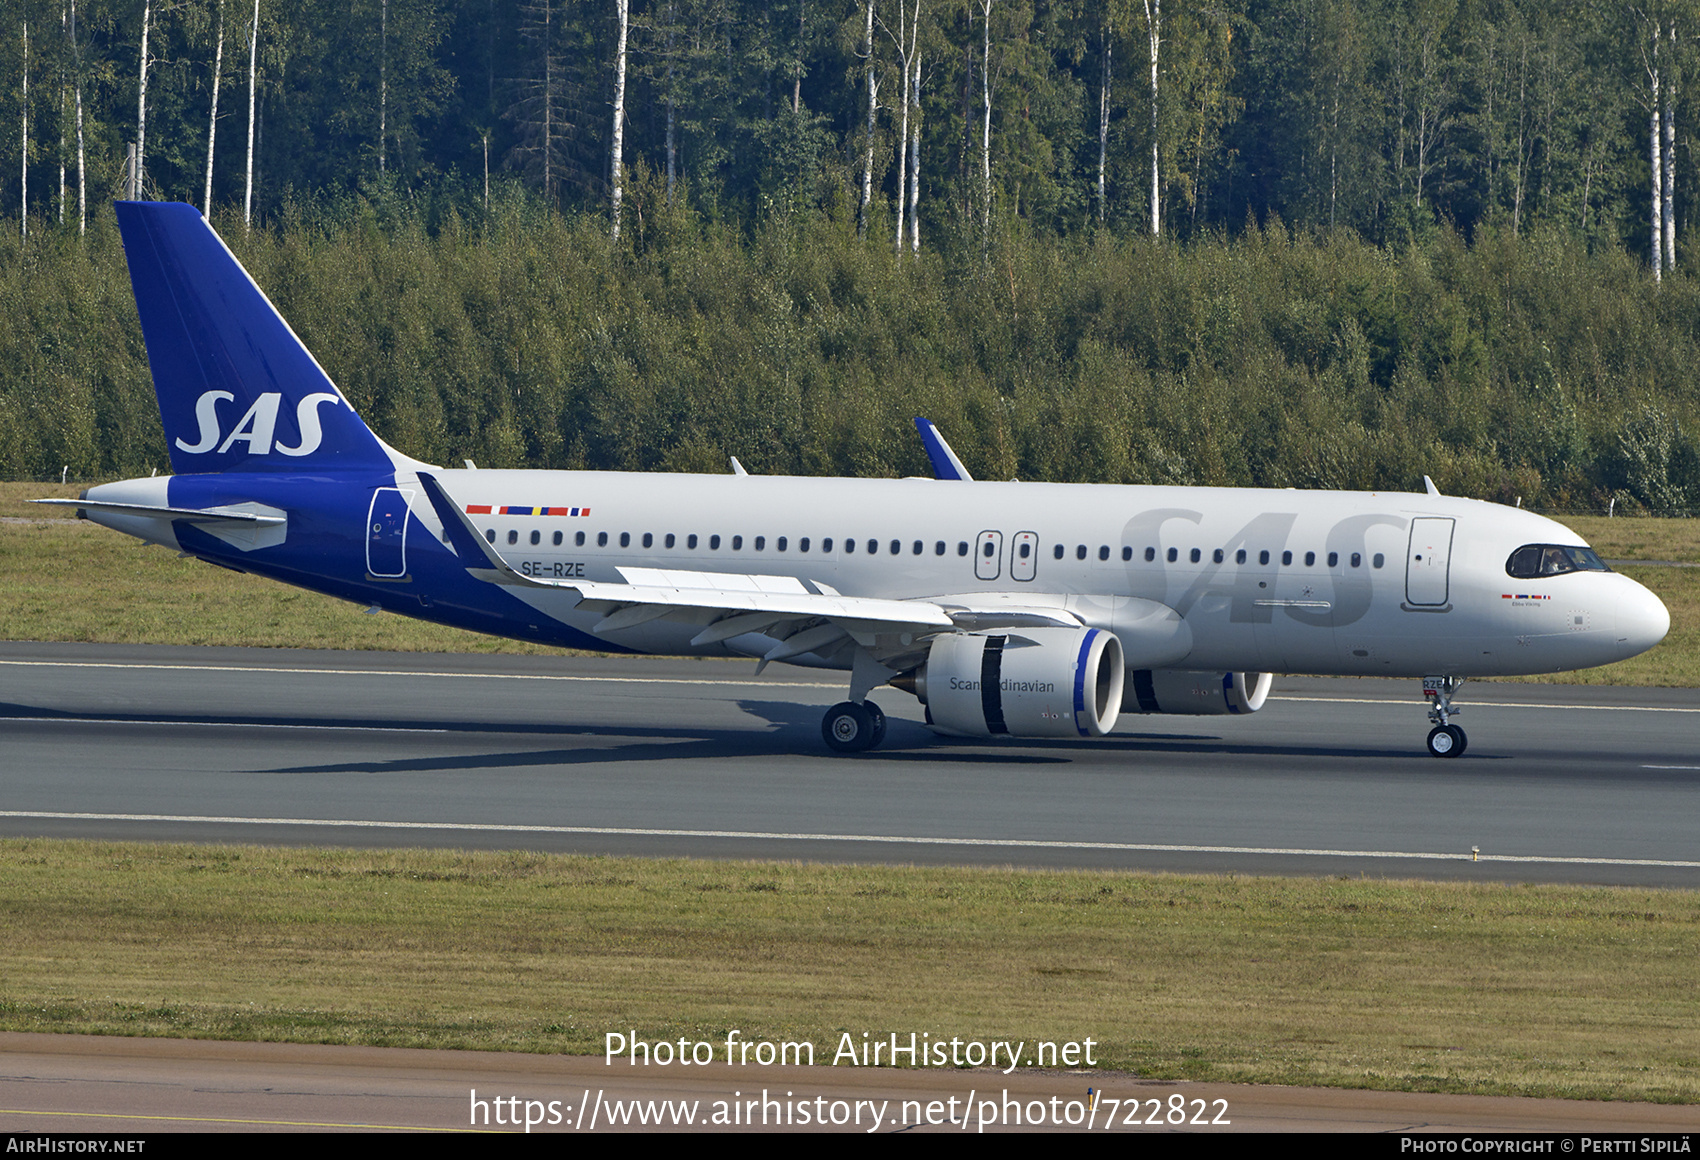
(1038, 682)
(1195, 694)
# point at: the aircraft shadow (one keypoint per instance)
(790, 729)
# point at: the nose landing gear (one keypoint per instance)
(1444, 740)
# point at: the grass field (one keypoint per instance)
(127, 593)
(1538, 990)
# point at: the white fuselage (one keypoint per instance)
(1372, 583)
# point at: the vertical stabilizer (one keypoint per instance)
(237, 389)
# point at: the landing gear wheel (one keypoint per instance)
(878, 715)
(1447, 741)
(849, 728)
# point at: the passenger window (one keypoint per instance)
(761, 543)
(625, 539)
(918, 546)
(1379, 560)
(1174, 555)
(803, 544)
(1150, 554)
(536, 536)
(989, 549)
(557, 539)
(938, 548)
(962, 547)
(1216, 556)
(1195, 555)
(1357, 559)
(513, 537)
(1057, 552)
(1080, 552)
(874, 547)
(780, 543)
(1263, 557)
(1333, 559)
(1239, 556)
(578, 539)
(691, 541)
(714, 543)
(825, 545)
(1286, 559)
(490, 534)
(668, 542)
(648, 540)
(1127, 553)
(896, 547)
(1310, 559)
(737, 543)
(1026, 549)
(849, 545)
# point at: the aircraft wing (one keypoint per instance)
(810, 616)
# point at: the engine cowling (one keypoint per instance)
(1037, 682)
(1194, 693)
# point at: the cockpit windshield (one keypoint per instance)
(1532, 560)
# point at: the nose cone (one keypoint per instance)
(1642, 619)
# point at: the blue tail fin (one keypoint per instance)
(237, 390)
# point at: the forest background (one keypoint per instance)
(1304, 243)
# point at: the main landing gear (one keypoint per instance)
(849, 727)
(1444, 740)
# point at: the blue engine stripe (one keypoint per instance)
(1080, 663)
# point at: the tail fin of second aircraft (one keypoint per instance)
(237, 389)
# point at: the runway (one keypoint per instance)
(703, 759)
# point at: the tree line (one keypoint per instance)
(927, 119)
(1277, 242)
(1517, 368)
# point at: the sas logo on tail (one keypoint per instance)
(257, 427)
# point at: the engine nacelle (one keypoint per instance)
(1037, 682)
(1195, 694)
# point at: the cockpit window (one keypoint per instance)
(1533, 560)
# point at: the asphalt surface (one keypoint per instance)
(671, 757)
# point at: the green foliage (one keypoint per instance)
(1514, 367)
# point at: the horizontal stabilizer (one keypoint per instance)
(195, 515)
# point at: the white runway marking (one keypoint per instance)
(1020, 843)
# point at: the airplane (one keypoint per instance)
(1009, 609)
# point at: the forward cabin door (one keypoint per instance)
(1428, 562)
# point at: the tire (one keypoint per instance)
(1463, 741)
(1445, 741)
(848, 728)
(878, 715)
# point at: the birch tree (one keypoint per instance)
(1655, 142)
(1154, 38)
(212, 118)
(24, 152)
(138, 174)
(867, 55)
(77, 85)
(253, 76)
(908, 28)
(622, 10)
(1104, 113)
